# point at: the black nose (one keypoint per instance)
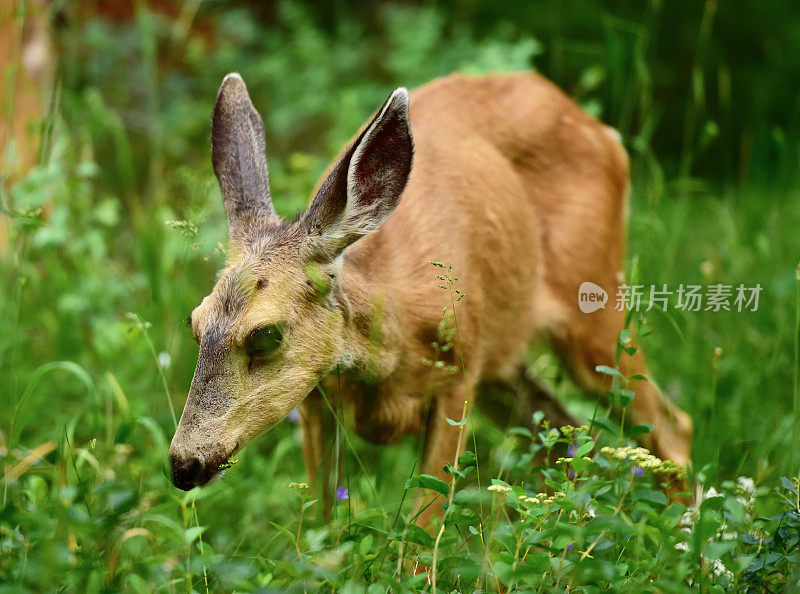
(186, 473)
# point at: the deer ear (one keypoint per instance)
(365, 185)
(239, 155)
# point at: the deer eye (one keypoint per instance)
(263, 341)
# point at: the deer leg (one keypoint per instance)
(590, 342)
(441, 445)
(318, 427)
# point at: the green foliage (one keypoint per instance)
(118, 232)
(95, 518)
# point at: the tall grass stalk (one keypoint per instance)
(462, 423)
(694, 106)
(143, 326)
(456, 296)
(796, 366)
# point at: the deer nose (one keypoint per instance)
(186, 473)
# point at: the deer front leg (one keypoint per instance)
(441, 445)
(318, 428)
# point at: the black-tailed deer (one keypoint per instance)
(511, 183)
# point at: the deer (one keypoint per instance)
(502, 177)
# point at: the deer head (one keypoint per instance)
(274, 324)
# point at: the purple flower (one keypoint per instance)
(342, 494)
(637, 471)
(572, 449)
(294, 415)
(569, 548)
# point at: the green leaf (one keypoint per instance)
(467, 459)
(426, 481)
(193, 494)
(521, 431)
(549, 438)
(579, 464)
(504, 571)
(708, 524)
(453, 471)
(639, 429)
(456, 423)
(712, 503)
(472, 496)
(137, 583)
(193, 533)
(653, 496)
(735, 509)
(612, 524)
(68, 366)
(418, 536)
(606, 370)
(460, 515)
(284, 531)
(716, 549)
(606, 423)
(466, 567)
(584, 449)
(625, 396)
(365, 546)
(538, 562)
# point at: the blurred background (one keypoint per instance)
(112, 228)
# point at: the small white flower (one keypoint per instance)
(719, 569)
(682, 546)
(164, 360)
(712, 492)
(746, 485)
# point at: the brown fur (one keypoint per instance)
(516, 187)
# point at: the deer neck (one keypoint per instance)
(370, 328)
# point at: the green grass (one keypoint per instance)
(119, 231)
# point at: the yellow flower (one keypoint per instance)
(529, 500)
